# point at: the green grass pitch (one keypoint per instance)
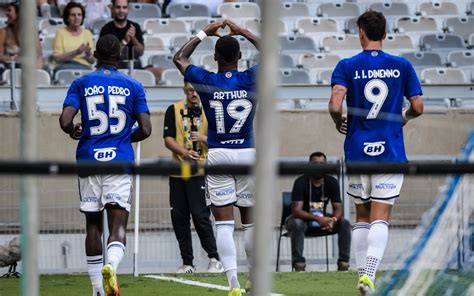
(307, 283)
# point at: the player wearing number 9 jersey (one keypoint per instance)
(110, 103)
(375, 84)
(228, 99)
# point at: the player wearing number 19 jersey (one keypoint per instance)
(110, 103)
(375, 84)
(228, 99)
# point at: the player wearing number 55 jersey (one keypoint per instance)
(375, 84)
(228, 99)
(110, 103)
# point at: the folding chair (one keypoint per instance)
(285, 212)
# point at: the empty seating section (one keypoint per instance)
(253, 25)
(42, 77)
(432, 8)
(308, 26)
(398, 43)
(66, 77)
(143, 11)
(295, 10)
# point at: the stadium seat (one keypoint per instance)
(398, 43)
(306, 26)
(97, 25)
(424, 59)
(253, 25)
(297, 44)
(350, 26)
(431, 8)
(463, 26)
(338, 10)
(285, 213)
(165, 27)
(441, 42)
(391, 9)
(164, 61)
(171, 77)
(42, 77)
(294, 10)
(294, 76)
(415, 25)
(233, 10)
(66, 77)
(47, 45)
(470, 8)
(188, 10)
(471, 40)
(155, 44)
(246, 47)
(324, 76)
(340, 42)
(319, 60)
(143, 11)
(145, 77)
(464, 60)
(443, 76)
(48, 27)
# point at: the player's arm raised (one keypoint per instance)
(181, 58)
(144, 127)
(67, 124)
(238, 30)
(415, 109)
(335, 107)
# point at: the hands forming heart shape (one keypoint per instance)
(211, 29)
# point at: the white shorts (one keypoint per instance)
(381, 188)
(98, 190)
(223, 190)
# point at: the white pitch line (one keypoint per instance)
(195, 283)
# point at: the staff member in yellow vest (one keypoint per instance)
(185, 134)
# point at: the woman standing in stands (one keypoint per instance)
(9, 39)
(73, 45)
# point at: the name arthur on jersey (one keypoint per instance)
(230, 95)
(377, 73)
(111, 90)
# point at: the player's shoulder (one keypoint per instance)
(395, 58)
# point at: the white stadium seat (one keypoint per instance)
(143, 11)
(253, 25)
(308, 26)
(319, 60)
(67, 76)
(165, 26)
(42, 77)
(338, 10)
(431, 8)
(171, 77)
(463, 26)
(294, 76)
(398, 43)
(233, 10)
(443, 76)
(416, 25)
(294, 10)
(340, 42)
(188, 10)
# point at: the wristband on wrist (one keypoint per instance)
(201, 35)
(124, 42)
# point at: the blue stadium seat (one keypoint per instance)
(188, 10)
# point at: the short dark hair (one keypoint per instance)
(373, 23)
(15, 6)
(318, 154)
(67, 12)
(113, 2)
(228, 49)
(107, 50)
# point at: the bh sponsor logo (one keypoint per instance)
(105, 154)
(89, 199)
(374, 148)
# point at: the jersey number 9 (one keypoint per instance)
(378, 98)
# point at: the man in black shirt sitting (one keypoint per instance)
(310, 196)
(129, 33)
